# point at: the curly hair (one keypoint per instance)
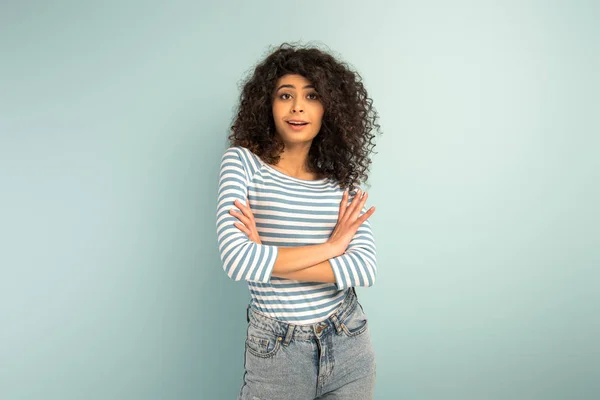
(341, 150)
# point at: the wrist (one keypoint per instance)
(331, 250)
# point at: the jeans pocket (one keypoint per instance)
(262, 343)
(356, 323)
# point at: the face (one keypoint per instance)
(297, 110)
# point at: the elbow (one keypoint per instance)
(366, 261)
(231, 272)
(373, 280)
(231, 262)
(372, 272)
(233, 276)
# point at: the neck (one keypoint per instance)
(294, 161)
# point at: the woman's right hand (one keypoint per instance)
(349, 219)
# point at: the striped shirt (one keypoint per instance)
(288, 212)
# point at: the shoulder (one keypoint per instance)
(242, 153)
(232, 159)
(232, 152)
(244, 158)
(236, 154)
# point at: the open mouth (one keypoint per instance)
(297, 123)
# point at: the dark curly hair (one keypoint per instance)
(341, 150)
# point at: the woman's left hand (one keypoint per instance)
(247, 224)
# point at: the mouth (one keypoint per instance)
(296, 124)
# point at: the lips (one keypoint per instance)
(297, 122)
(297, 125)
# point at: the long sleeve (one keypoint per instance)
(358, 265)
(242, 258)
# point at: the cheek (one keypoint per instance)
(319, 115)
(277, 115)
(275, 111)
(316, 111)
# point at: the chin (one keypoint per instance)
(295, 138)
(297, 142)
(298, 138)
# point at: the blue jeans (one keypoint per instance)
(332, 359)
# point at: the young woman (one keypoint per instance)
(292, 223)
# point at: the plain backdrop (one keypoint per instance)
(113, 120)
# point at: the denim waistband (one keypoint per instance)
(286, 331)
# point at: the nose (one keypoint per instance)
(297, 106)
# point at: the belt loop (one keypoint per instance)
(288, 335)
(336, 323)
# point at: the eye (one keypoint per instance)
(313, 96)
(285, 96)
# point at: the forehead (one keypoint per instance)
(298, 81)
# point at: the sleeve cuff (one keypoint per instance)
(340, 281)
(270, 264)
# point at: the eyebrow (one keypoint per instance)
(294, 87)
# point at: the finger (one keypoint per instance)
(245, 208)
(241, 217)
(242, 228)
(357, 204)
(255, 238)
(366, 215)
(350, 207)
(363, 200)
(360, 207)
(343, 205)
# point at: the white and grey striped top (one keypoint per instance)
(288, 212)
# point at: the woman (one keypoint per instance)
(291, 223)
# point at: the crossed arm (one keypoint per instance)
(322, 272)
(348, 258)
(317, 257)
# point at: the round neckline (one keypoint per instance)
(278, 172)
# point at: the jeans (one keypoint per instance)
(332, 359)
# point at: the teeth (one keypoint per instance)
(296, 123)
